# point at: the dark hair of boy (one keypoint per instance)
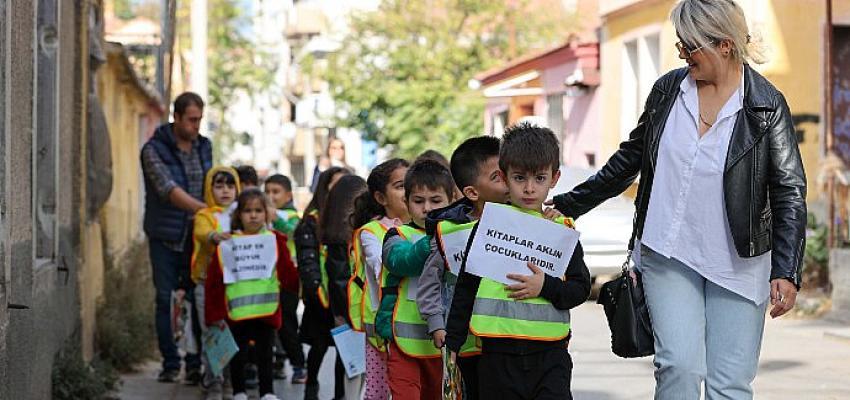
(242, 201)
(321, 193)
(224, 177)
(248, 175)
(529, 148)
(428, 174)
(366, 207)
(282, 180)
(186, 99)
(469, 156)
(434, 155)
(335, 226)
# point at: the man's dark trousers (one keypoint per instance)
(170, 272)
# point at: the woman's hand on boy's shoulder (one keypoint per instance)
(551, 213)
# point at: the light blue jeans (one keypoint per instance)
(703, 332)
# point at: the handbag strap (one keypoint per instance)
(626, 263)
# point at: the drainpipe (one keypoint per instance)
(829, 139)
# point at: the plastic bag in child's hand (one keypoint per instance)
(452, 380)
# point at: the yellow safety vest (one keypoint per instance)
(498, 316)
(360, 310)
(254, 298)
(322, 290)
(451, 241)
(410, 330)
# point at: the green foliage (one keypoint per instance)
(402, 73)
(123, 9)
(73, 379)
(816, 260)
(235, 63)
(125, 318)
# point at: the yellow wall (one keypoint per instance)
(126, 107)
(616, 30)
(792, 31)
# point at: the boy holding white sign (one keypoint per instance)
(524, 327)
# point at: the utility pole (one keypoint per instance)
(198, 22)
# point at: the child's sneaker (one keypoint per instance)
(299, 375)
(240, 396)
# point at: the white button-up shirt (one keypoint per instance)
(686, 216)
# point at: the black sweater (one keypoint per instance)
(563, 294)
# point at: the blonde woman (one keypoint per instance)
(721, 213)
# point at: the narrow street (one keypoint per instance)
(794, 353)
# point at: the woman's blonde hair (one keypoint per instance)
(706, 22)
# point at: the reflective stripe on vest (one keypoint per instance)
(322, 290)
(451, 242)
(410, 330)
(360, 311)
(496, 315)
(254, 298)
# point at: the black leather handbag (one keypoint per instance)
(628, 315)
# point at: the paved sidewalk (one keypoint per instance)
(801, 359)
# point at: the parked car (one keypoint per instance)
(605, 230)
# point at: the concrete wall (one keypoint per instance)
(31, 337)
(132, 114)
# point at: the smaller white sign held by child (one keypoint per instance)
(454, 246)
(248, 257)
(508, 239)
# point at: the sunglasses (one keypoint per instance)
(690, 50)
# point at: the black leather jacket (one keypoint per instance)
(764, 183)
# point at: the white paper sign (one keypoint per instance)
(351, 346)
(223, 219)
(507, 239)
(454, 246)
(248, 257)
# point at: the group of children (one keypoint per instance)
(387, 256)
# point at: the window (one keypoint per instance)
(500, 121)
(591, 159)
(555, 114)
(641, 65)
(45, 154)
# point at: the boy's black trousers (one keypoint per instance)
(541, 375)
(469, 372)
